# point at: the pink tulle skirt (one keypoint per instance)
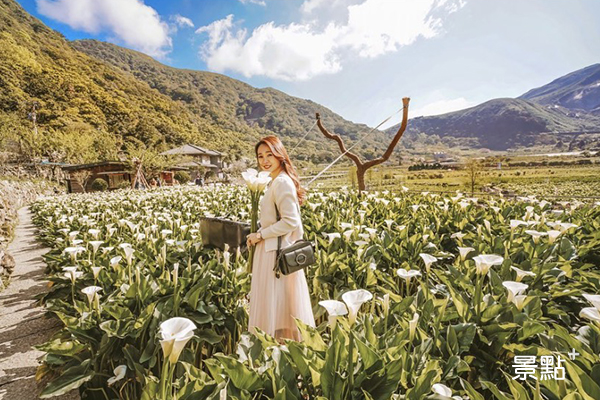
(275, 302)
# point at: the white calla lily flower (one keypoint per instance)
(535, 235)
(175, 333)
(334, 309)
(96, 244)
(91, 292)
(565, 226)
(256, 181)
(119, 372)
(354, 299)
(521, 273)
(96, 271)
(590, 313)
(428, 259)
(404, 274)
(128, 254)
(464, 251)
(442, 390)
(332, 236)
(412, 325)
(115, 261)
(594, 300)
(484, 262)
(514, 223)
(553, 235)
(514, 288)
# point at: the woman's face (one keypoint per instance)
(266, 160)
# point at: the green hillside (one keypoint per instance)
(236, 105)
(90, 109)
(87, 110)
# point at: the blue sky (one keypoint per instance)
(356, 57)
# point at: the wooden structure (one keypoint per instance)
(116, 174)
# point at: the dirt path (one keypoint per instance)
(22, 321)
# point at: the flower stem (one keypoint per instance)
(350, 365)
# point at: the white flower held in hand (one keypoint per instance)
(256, 181)
(334, 309)
(175, 333)
(354, 299)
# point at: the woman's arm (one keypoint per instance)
(289, 213)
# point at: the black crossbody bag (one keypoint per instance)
(295, 257)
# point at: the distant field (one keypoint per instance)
(559, 181)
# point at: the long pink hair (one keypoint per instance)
(281, 154)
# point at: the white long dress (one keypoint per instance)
(275, 302)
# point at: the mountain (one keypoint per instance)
(578, 91)
(505, 123)
(234, 104)
(86, 108)
(95, 99)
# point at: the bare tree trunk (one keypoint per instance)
(363, 166)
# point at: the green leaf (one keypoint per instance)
(209, 336)
(241, 376)
(368, 355)
(473, 394)
(517, 390)
(492, 387)
(586, 386)
(62, 348)
(70, 379)
(465, 334)
(310, 336)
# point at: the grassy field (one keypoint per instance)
(547, 181)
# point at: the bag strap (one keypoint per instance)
(278, 237)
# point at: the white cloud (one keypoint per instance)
(129, 21)
(311, 5)
(442, 106)
(182, 21)
(300, 51)
(282, 52)
(257, 2)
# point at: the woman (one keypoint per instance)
(274, 303)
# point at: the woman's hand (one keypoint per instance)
(252, 239)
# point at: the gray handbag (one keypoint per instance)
(295, 257)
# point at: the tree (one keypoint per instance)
(363, 166)
(474, 168)
(81, 177)
(153, 162)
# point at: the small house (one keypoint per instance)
(209, 161)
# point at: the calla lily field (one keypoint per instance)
(415, 295)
